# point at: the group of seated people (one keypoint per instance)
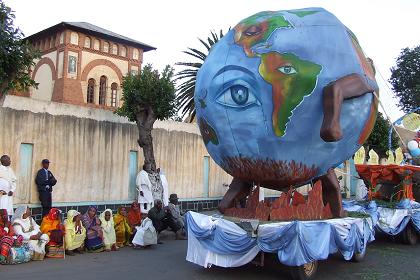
(22, 239)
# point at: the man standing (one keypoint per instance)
(144, 187)
(45, 181)
(7, 184)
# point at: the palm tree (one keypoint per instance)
(185, 91)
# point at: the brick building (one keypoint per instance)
(83, 64)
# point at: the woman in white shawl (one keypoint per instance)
(146, 235)
(107, 224)
(24, 224)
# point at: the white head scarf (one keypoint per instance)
(105, 222)
(19, 212)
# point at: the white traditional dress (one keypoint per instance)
(145, 234)
(145, 186)
(7, 184)
(165, 185)
(28, 227)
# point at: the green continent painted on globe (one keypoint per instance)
(292, 79)
(257, 29)
(302, 13)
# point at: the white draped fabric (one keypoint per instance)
(199, 255)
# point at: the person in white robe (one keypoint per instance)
(165, 185)
(7, 185)
(24, 224)
(144, 186)
(146, 234)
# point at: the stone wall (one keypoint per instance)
(89, 153)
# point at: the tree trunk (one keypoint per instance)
(145, 120)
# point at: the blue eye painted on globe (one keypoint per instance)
(237, 96)
(288, 70)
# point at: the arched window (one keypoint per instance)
(114, 87)
(135, 54)
(106, 47)
(102, 90)
(123, 51)
(96, 45)
(87, 42)
(114, 49)
(91, 91)
(74, 38)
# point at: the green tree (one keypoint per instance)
(405, 79)
(378, 139)
(147, 97)
(185, 91)
(16, 55)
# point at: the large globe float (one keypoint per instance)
(282, 99)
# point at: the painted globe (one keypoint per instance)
(258, 97)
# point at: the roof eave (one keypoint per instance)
(64, 25)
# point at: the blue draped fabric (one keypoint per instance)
(295, 243)
(413, 215)
(298, 242)
(393, 230)
(221, 241)
(415, 219)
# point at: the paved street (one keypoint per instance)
(385, 260)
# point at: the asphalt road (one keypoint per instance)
(385, 260)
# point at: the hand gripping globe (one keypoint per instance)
(282, 99)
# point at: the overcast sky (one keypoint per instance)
(382, 27)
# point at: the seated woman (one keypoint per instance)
(24, 224)
(122, 228)
(107, 224)
(94, 235)
(134, 217)
(145, 235)
(52, 226)
(75, 233)
(9, 241)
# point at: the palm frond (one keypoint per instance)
(190, 64)
(194, 55)
(188, 76)
(208, 47)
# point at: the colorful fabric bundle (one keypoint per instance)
(18, 255)
(55, 251)
(6, 242)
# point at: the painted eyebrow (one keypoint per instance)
(233, 67)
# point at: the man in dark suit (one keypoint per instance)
(45, 181)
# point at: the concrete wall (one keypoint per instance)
(89, 150)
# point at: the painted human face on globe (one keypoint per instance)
(259, 97)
